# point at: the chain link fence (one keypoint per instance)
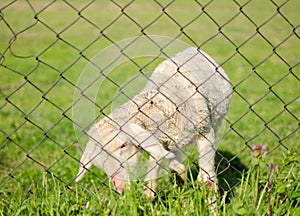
(50, 98)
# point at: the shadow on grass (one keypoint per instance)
(229, 168)
(229, 171)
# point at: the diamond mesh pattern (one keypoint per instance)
(44, 50)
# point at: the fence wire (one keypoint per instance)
(46, 45)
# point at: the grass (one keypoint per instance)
(39, 148)
(273, 189)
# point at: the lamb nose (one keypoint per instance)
(119, 184)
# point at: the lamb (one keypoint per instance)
(184, 102)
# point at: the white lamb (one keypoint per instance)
(183, 102)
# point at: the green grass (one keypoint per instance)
(38, 144)
(262, 190)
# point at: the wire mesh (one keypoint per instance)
(46, 45)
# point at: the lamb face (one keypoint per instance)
(110, 151)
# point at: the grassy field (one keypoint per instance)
(51, 44)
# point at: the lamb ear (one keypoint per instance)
(145, 140)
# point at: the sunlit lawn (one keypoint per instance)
(51, 43)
